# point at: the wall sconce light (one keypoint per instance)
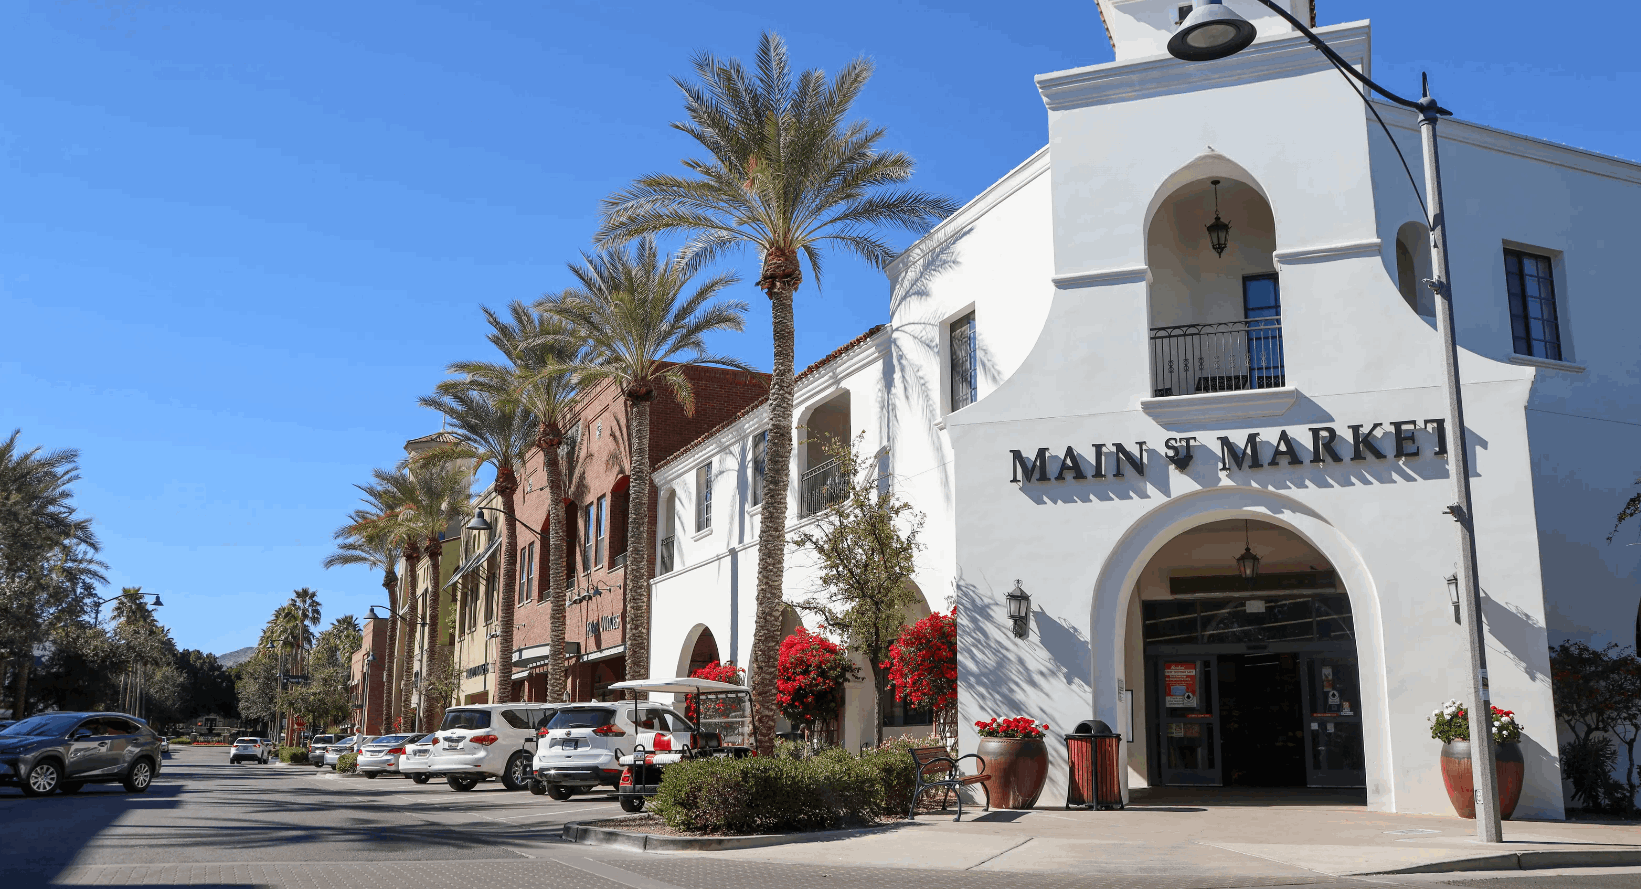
(1453, 594)
(1020, 610)
(1247, 564)
(1219, 231)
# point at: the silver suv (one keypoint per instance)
(477, 742)
(66, 751)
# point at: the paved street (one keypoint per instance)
(206, 823)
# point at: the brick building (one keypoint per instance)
(367, 685)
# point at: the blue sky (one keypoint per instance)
(237, 241)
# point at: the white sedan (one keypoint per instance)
(254, 749)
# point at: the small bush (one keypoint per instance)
(832, 789)
(293, 754)
(175, 741)
(347, 762)
(1588, 764)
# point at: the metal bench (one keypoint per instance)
(950, 778)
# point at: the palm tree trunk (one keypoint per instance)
(407, 647)
(549, 442)
(430, 651)
(766, 632)
(390, 580)
(395, 663)
(506, 486)
(636, 630)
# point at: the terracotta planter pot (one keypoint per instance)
(1460, 780)
(1018, 767)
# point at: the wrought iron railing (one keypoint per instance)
(1222, 357)
(821, 487)
(663, 556)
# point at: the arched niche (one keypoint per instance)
(1189, 282)
(1411, 254)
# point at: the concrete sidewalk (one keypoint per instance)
(1176, 837)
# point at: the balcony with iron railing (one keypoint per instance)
(1226, 356)
(821, 487)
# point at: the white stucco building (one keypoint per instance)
(1084, 397)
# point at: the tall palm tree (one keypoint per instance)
(385, 521)
(355, 547)
(642, 332)
(499, 429)
(440, 496)
(304, 607)
(786, 175)
(540, 353)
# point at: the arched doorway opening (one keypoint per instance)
(1243, 681)
(703, 652)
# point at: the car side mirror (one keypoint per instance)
(81, 735)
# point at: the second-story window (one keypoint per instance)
(1534, 323)
(598, 542)
(588, 537)
(492, 582)
(527, 572)
(965, 385)
(703, 497)
(760, 465)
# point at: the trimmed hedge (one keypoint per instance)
(832, 789)
(293, 754)
(347, 762)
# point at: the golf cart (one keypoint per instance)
(722, 727)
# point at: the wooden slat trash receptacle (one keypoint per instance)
(1094, 752)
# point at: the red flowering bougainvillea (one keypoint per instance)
(922, 664)
(717, 673)
(810, 677)
(1013, 727)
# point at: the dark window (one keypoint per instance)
(1262, 306)
(760, 465)
(49, 726)
(1180, 13)
(619, 502)
(1533, 320)
(465, 719)
(113, 725)
(598, 543)
(515, 718)
(582, 717)
(587, 562)
(899, 713)
(703, 498)
(964, 383)
(527, 572)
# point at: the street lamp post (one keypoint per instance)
(1213, 31)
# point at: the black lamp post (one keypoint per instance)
(1212, 32)
(1020, 610)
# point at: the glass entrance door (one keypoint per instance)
(1187, 742)
(1333, 719)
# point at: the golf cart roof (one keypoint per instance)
(681, 685)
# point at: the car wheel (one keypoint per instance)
(457, 782)
(419, 779)
(632, 804)
(559, 792)
(140, 776)
(537, 788)
(42, 779)
(517, 773)
(73, 786)
(372, 774)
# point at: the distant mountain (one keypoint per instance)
(237, 656)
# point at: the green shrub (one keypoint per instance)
(896, 772)
(347, 762)
(293, 754)
(182, 741)
(832, 789)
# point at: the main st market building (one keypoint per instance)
(1220, 475)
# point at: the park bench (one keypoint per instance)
(945, 775)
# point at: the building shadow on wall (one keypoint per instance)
(989, 648)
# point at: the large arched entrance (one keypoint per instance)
(1245, 638)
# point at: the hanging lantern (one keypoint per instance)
(1019, 610)
(1247, 564)
(1219, 230)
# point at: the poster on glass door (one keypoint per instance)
(1179, 680)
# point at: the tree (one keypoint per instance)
(1630, 510)
(324, 697)
(785, 176)
(48, 565)
(358, 546)
(379, 525)
(541, 353)
(923, 669)
(809, 684)
(864, 546)
(495, 428)
(641, 334)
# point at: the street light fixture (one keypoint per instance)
(1247, 564)
(1020, 610)
(1213, 32)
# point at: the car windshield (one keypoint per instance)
(465, 719)
(343, 742)
(325, 739)
(51, 725)
(420, 739)
(392, 739)
(582, 717)
(248, 741)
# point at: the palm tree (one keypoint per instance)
(304, 607)
(497, 428)
(440, 496)
(541, 353)
(641, 334)
(383, 523)
(786, 177)
(357, 547)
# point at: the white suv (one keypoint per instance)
(582, 744)
(254, 749)
(478, 742)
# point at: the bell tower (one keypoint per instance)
(1140, 29)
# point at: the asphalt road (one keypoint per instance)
(206, 823)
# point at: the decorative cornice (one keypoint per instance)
(1212, 407)
(1329, 252)
(1506, 142)
(1285, 56)
(966, 215)
(1101, 277)
(1547, 363)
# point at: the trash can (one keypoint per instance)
(1095, 754)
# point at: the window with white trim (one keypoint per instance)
(964, 369)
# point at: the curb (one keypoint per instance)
(580, 832)
(1532, 860)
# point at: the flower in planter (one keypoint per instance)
(1013, 727)
(1451, 722)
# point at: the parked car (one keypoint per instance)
(254, 749)
(478, 742)
(66, 751)
(5, 724)
(318, 748)
(381, 755)
(165, 744)
(418, 757)
(662, 737)
(346, 745)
